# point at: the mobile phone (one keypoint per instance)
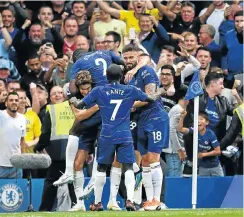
(96, 10)
(48, 44)
(132, 33)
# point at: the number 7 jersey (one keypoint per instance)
(96, 63)
(115, 102)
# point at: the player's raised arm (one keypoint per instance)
(116, 59)
(112, 11)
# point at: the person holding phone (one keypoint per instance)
(102, 22)
(131, 17)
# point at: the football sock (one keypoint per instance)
(71, 150)
(79, 183)
(157, 179)
(130, 184)
(147, 182)
(115, 177)
(99, 184)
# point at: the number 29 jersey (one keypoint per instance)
(96, 63)
(115, 102)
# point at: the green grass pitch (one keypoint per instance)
(168, 213)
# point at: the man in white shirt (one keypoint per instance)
(12, 132)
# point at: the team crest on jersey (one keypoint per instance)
(11, 197)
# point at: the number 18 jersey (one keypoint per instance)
(115, 102)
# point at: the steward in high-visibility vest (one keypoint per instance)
(240, 112)
(62, 119)
(55, 130)
(57, 122)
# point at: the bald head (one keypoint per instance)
(81, 42)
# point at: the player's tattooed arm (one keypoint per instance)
(150, 89)
(156, 95)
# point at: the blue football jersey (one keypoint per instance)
(96, 63)
(115, 102)
(207, 143)
(143, 77)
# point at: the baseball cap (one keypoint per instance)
(41, 87)
(4, 64)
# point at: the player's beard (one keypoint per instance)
(129, 67)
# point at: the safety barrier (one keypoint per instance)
(221, 192)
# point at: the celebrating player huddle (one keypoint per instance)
(104, 122)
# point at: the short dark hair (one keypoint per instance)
(44, 6)
(130, 47)
(36, 24)
(33, 55)
(181, 93)
(169, 48)
(116, 36)
(188, 4)
(10, 94)
(204, 115)
(70, 18)
(144, 15)
(238, 14)
(114, 73)
(9, 9)
(78, 53)
(78, 2)
(204, 49)
(213, 76)
(171, 68)
(145, 55)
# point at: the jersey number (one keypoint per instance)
(118, 103)
(104, 64)
(157, 136)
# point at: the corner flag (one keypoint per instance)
(195, 87)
